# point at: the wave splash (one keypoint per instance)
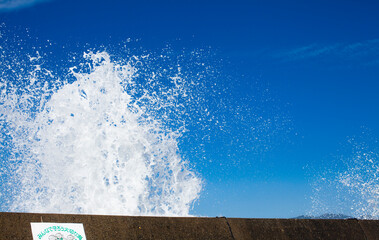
(351, 186)
(92, 144)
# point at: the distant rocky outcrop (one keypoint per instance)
(325, 216)
(335, 216)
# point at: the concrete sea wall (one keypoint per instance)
(14, 226)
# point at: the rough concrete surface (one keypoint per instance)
(370, 228)
(14, 226)
(296, 229)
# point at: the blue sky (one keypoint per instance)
(314, 65)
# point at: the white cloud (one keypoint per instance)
(365, 52)
(9, 5)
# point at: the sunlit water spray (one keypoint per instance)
(351, 186)
(122, 131)
(92, 145)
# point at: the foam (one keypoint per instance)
(93, 145)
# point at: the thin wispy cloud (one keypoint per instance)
(11, 5)
(364, 53)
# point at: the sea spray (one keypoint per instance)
(92, 144)
(350, 185)
(123, 129)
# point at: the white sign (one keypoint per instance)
(58, 231)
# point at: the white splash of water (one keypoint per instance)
(351, 187)
(361, 179)
(93, 146)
